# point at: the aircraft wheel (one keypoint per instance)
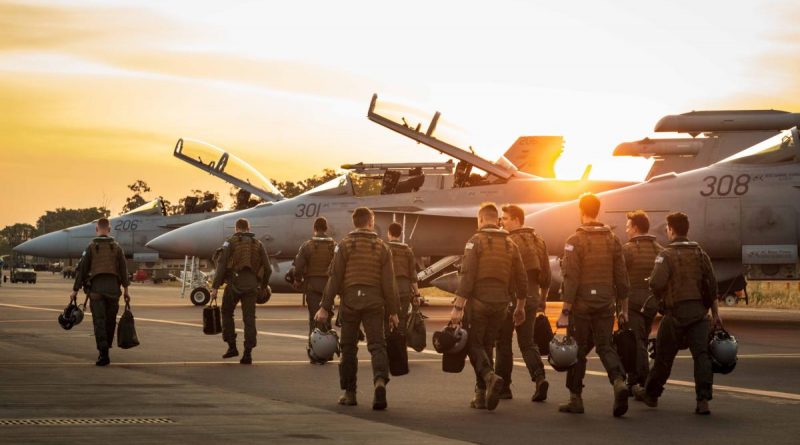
(200, 296)
(731, 300)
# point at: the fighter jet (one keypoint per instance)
(132, 230)
(437, 202)
(744, 211)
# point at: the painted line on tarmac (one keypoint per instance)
(733, 389)
(740, 356)
(185, 363)
(26, 321)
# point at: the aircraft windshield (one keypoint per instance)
(153, 207)
(782, 141)
(226, 163)
(339, 185)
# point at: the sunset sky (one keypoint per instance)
(94, 94)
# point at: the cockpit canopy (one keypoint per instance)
(227, 166)
(783, 147)
(154, 207)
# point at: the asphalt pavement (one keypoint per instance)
(176, 388)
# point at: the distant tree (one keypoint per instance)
(138, 188)
(62, 218)
(290, 189)
(18, 233)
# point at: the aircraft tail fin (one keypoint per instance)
(536, 155)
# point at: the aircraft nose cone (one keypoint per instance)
(51, 245)
(447, 282)
(199, 239)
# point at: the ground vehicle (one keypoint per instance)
(23, 273)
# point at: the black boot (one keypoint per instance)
(232, 351)
(247, 358)
(103, 359)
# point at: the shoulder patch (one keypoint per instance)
(226, 244)
(336, 249)
(469, 246)
(569, 247)
(659, 259)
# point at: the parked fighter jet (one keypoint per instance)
(437, 202)
(745, 211)
(132, 230)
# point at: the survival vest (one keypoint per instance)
(245, 253)
(685, 260)
(363, 254)
(494, 255)
(642, 252)
(530, 247)
(321, 253)
(104, 257)
(597, 245)
(402, 257)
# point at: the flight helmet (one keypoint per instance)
(563, 353)
(322, 345)
(722, 347)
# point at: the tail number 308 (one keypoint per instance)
(725, 185)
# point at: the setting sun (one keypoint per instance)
(95, 94)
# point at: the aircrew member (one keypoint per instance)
(683, 281)
(537, 267)
(363, 276)
(311, 268)
(594, 280)
(246, 270)
(492, 274)
(101, 272)
(405, 271)
(640, 253)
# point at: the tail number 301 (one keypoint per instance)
(725, 185)
(307, 210)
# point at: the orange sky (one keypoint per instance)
(95, 94)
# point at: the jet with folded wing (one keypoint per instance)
(744, 211)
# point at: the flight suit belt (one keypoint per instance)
(315, 283)
(491, 291)
(641, 297)
(359, 297)
(686, 307)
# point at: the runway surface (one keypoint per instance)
(176, 388)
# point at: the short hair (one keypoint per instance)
(395, 229)
(242, 224)
(488, 210)
(104, 223)
(679, 223)
(321, 224)
(640, 220)
(589, 204)
(515, 211)
(362, 216)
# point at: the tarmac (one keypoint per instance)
(176, 388)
